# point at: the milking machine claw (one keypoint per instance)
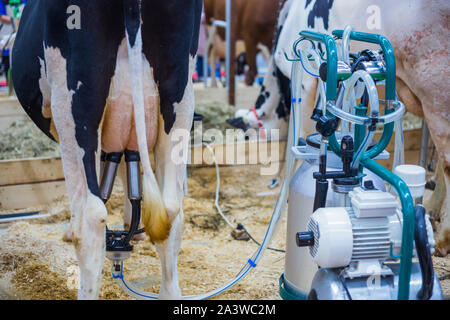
(116, 241)
(118, 247)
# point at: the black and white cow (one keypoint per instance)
(418, 31)
(273, 104)
(112, 75)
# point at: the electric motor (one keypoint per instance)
(369, 230)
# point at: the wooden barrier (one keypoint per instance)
(10, 111)
(27, 183)
(33, 182)
(30, 182)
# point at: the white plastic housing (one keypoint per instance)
(333, 239)
(372, 203)
(414, 177)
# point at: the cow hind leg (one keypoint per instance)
(250, 54)
(443, 238)
(171, 158)
(212, 59)
(89, 241)
(171, 176)
(88, 213)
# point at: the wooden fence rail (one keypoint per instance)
(26, 183)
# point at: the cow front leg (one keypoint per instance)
(212, 59)
(250, 55)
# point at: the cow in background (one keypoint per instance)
(418, 31)
(217, 53)
(113, 75)
(253, 21)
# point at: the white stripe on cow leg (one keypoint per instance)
(171, 175)
(88, 211)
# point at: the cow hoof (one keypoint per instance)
(139, 237)
(441, 252)
(250, 79)
(430, 185)
(67, 236)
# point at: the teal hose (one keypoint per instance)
(377, 149)
(384, 140)
(408, 222)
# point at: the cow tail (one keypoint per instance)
(154, 214)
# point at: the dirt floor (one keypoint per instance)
(36, 264)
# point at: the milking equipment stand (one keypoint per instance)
(118, 241)
(358, 243)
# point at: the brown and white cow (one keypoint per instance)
(217, 52)
(253, 21)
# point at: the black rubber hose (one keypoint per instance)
(320, 198)
(18, 215)
(135, 219)
(423, 251)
